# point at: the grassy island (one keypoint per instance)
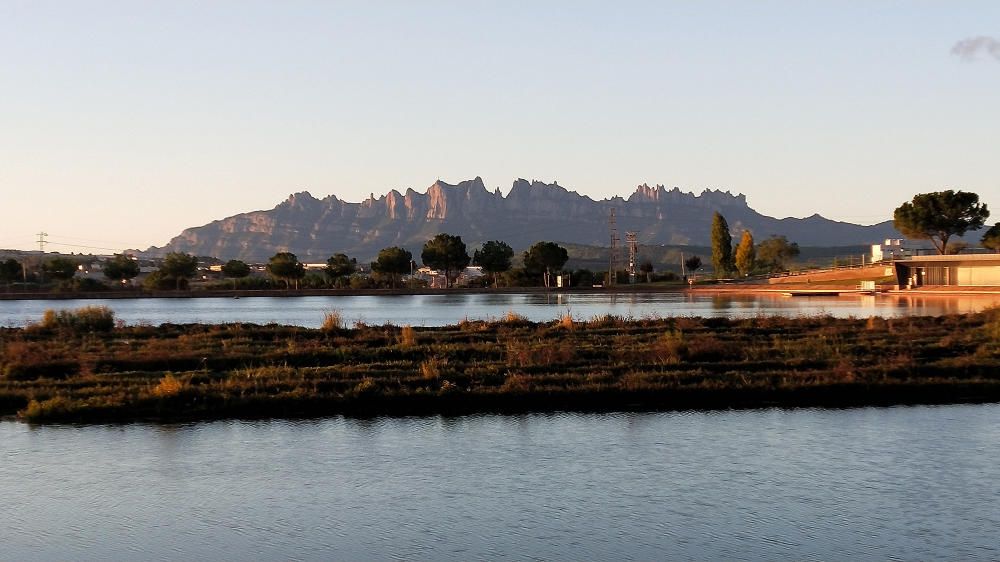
(78, 366)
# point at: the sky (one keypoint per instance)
(124, 122)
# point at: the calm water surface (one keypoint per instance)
(443, 309)
(910, 483)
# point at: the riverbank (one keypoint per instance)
(250, 293)
(79, 372)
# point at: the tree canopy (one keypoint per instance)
(745, 255)
(494, 257)
(121, 268)
(692, 263)
(60, 268)
(179, 267)
(991, 239)
(446, 252)
(544, 257)
(393, 262)
(287, 267)
(236, 269)
(10, 270)
(775, 252)
(340, 267)
(939, 215)
(722, 246)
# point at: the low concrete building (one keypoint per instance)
(958, 270)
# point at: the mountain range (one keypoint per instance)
(314, 229)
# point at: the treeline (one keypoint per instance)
(445, 255)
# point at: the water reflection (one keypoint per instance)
(870, 484)
(451, 308)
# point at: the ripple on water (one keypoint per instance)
(870, 484)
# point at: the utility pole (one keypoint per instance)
(41, 241)
(633, 254)
(613, 261)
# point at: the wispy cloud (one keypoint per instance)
(970, 49)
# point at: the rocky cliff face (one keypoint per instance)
(532, 211)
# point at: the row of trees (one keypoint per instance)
(771, 255)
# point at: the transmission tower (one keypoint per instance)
(633, 254)
(41, 241)
(613, 261)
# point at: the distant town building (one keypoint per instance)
(891, 249)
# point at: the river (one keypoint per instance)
(443, 309)
(911, 483)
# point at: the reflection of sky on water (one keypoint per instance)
(450, 308)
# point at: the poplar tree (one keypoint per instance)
(722, 246)
(745, 254)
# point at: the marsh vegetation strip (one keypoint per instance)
(77, 367)
(867, 484)
(444, 309)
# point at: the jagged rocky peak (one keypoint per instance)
(300, 200)
(723, 198)
(646, 193)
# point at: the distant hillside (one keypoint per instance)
(314, 228)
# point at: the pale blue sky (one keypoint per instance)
(125, 122)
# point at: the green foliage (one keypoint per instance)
(236, 269)
(745, 255)
(393, 263)
(991, 239)
(178, 267)
(60, 268)
(494, 257)
(940, 215)
(121, 268)
(692, 264)
(583, 278)
(287, 267)
(544, 258)
(447, 253)
(722, 246)
(775, 252)
(10, 270)
(339, 267)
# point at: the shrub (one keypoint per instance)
(168, 386)
(86, 319)
(333, 321)
(407, 337)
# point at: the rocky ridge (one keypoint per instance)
(531, 211)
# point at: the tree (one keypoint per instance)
(339, 267)
(446, 252)
(722, 246)
(494, 257)
(10, 271)
(991, 239)
(179, 267)
(940, 215)
(745, 255)
(60, 268)
(121, 268)
(692, 263)
(235, 269)
(393, 262)
(545, 257)
(287, 267)
(775, 252)
(647, 268)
